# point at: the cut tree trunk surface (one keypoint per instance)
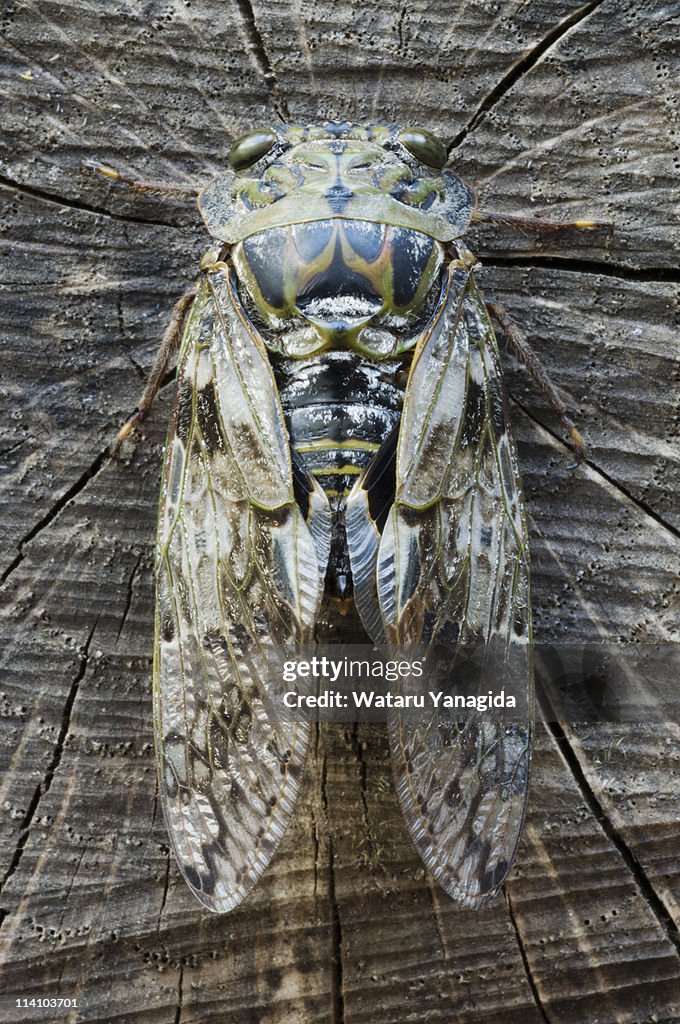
(552, 109)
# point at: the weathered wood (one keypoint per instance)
(555, 109)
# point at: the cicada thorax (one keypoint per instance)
(340, 304)
(338, 283)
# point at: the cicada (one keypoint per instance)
(340, 439)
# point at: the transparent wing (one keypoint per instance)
(240, 570)
(450, 571)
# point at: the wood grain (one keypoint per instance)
(550, 108)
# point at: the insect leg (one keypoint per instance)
(167, 349)
(526, 355)
(489, 217)
(154, 188)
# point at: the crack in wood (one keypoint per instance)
(337, 994)
(154, 806)
(67, 896)
(72, 492)
(358, 751)
(44, 785)
(180, 994)
(314, 745)
(616, 485)
(52, 513)
(658, 275)
(166, 885)
(141, 372)
(521, 67)
(128, 597)
(315, 850)
(262, 60)
(119, 302)
(524, 957)
(5, 453)
(646, 888)
(400, 25)
(77, 204)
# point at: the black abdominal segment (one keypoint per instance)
(339, 408)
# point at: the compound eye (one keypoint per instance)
(250, 148)
(425, 147)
